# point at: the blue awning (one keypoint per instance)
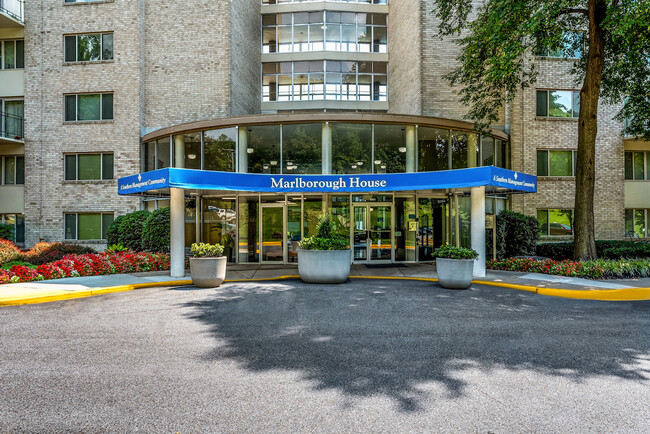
(497, 178)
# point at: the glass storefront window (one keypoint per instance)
(220, 147)
(390, 149)
(248, 249)
(351, 148)
(220, 224)
(294, 227)
(163, 153)
(313, 208)
(190, 222)
(187, 151)
(264, 149)
(433, 146)
(487, 151)
(405, 228)
(555, 221)
(340, 209)
(301, 148)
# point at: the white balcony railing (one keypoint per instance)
(14, 9)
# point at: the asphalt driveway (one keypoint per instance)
(369, 355)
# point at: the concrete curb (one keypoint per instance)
(630, 294)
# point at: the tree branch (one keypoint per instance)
(571, 11)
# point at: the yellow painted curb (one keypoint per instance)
(628, 294)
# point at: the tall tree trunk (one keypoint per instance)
(584, 230)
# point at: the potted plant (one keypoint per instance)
(207, 265)
(325, 257)
(455, 266)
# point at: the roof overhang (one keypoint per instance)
(495, 179)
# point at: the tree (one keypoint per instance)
(614, 68)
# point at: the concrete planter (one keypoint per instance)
(324, 266)
(454, 273)
(208, 272)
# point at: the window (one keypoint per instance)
(329, 31)
(637, 166)
(318, 80)
(12, 122)
(636, 223)
(13, 170)
(555, 221)
(570, 46)
(275, 2)
(89, 47)
(558, 103)
(87, 226)
(80, 1)
(556, 163)
(17, 222)
(89, 107)
(12, 54)
(83, 167)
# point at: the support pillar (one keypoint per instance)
(326, 149)
(410, 148)
(242, 161)
(179, 151)
(478, 228)
(177, 232)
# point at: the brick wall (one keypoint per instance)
(48, 137)
(245, 51)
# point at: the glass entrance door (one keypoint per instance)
(272, 231)
(432, 226)
(372, 233)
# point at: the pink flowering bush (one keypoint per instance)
(589, 269)
(92, 264)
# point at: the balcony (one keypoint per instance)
(12, 13)
(12, 128)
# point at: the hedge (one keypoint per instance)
(517, 234)
(6, 232)
(597, 269)
(130, 230)
(155, 234)
(609, 249)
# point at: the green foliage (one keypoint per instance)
(113, 231)
(326, 237)
(205, 250)
(610, 249)
(130, 230)
(116, 248)
(504, 32)
(6, 232)
(156, 231)
(594, 269)
(452, 252)
(8, 252)
(517, 234)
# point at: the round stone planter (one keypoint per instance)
(454, 273)
(208, 272)
(324, 266)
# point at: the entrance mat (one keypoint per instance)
(385, 265)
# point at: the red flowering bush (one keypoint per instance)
(92, 264)
(8, 252)
(549, 266)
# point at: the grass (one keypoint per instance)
(8, 265)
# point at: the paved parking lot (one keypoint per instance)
(366, 356)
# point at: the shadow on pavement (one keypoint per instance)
(386, 338)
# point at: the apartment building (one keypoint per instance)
(12, 95)
(114, 88)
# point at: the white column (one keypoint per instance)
(177, 232)
(410, 148)
(478, 229)
(326, 143)
(179, 151)
(243, 150)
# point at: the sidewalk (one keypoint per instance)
(570, 287)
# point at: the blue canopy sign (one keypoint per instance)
(250, 182)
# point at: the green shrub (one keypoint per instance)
(116, 248)
(8, 265)
(113, 231)
(517, 234)
(205, 250)
(596, 269)
(610, 249)
(155, 234)
(326, 237)
(6, 232)
(130, 230)
(452, 252)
